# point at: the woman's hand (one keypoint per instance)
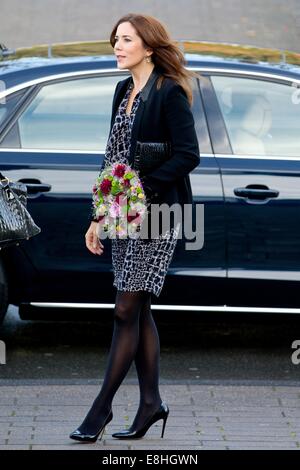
(92, 241)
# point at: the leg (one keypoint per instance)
(123, 349)
(147, 365)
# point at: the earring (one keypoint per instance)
(148, 59)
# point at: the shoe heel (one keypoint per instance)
(101, 434)
(109, 418)
(164, 425)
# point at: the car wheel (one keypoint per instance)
(3, 294)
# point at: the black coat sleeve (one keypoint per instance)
(185, 149)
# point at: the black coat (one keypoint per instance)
(164, 115)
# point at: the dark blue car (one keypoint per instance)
(54, 123)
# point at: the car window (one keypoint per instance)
(70, 115)
(261, 117)
(8, 103)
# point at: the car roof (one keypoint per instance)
(15, 71)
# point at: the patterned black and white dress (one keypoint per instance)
(138, 264)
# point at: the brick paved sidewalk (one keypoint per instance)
(201, 417)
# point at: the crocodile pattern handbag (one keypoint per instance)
(150, 155)
(16, 223)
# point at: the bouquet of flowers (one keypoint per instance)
(119, 202)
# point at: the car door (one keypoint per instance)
(261, 179)
(55, 145)
(198, 269)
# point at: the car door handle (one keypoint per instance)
(256, 192)
(35, 186)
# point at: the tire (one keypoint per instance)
(3, 293)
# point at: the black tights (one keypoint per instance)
(135, 337)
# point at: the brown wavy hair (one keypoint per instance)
(167, 56)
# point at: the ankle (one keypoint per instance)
(150, 403)
(102, 403)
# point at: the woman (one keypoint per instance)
(153, 105)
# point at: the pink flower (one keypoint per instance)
(127, 183)
(119, 170)
(105, 186)
(114, 210)
(118, 196)
(130, 218)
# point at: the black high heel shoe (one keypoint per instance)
(79, 436)
(161, 413)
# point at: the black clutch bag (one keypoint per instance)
(150, 155)
(16, 223)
